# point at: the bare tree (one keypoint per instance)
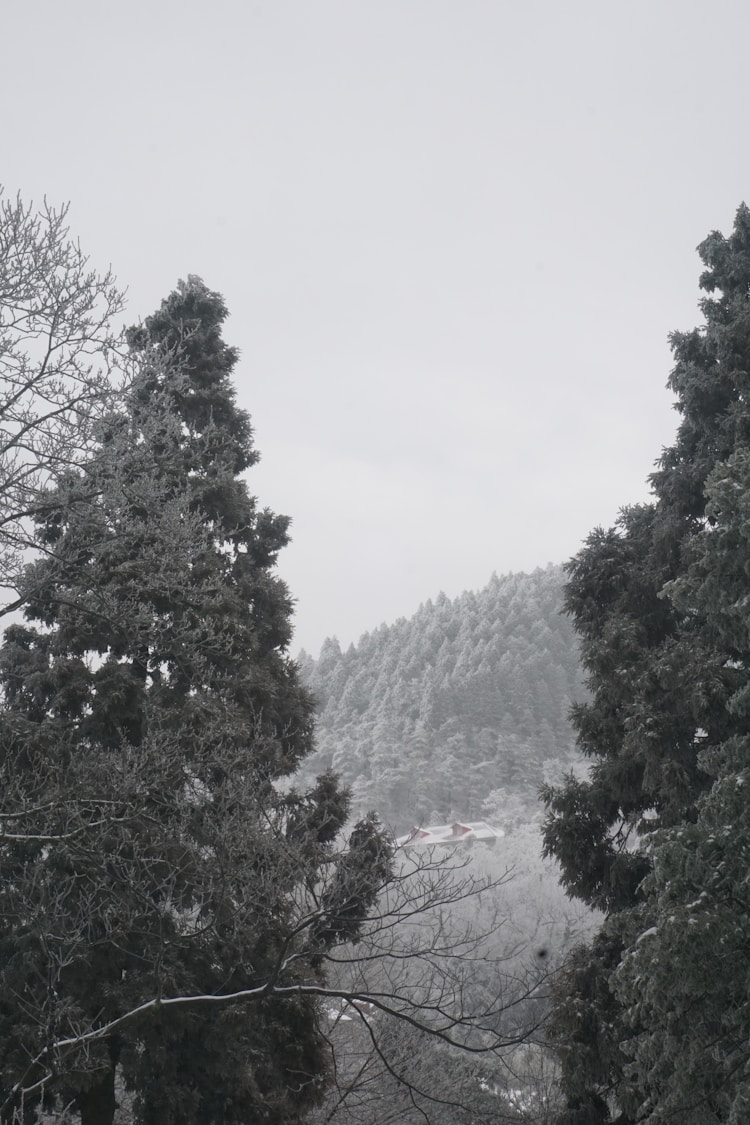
(407, 1007)
(503, 932)
(387, 1073)
(477, 985)
(58, 352)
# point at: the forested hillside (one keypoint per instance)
(460, 710)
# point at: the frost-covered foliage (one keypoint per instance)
(426, 717)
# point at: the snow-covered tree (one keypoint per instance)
(148, 854)
(653, 1018)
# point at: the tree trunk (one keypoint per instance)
(97, 1104)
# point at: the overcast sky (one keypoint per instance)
(453, 236)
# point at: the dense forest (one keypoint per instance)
(460, 711)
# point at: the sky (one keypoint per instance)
(453, 237)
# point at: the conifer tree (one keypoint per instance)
(148, 852)
(653, 1019)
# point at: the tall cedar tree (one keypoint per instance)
(149, 712)
(653, 1019)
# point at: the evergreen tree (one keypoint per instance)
(653, 1019)
(148, 853)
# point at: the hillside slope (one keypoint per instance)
(460, 711)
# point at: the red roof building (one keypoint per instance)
(449, 835)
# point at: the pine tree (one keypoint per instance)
(653, 1018)
(150, 710)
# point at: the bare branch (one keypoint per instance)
(59, 352)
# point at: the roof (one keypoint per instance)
(459, 832)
